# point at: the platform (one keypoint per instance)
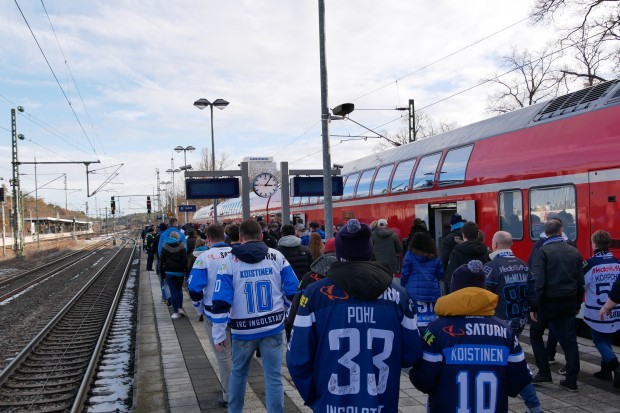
(176, 371)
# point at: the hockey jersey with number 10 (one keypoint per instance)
(472, 360)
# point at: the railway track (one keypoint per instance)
(53, 372)
(25, 279)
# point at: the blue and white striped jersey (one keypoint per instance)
(201, 280)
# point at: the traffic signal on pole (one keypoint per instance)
(1, 193)
(148, 204)
(113, 206)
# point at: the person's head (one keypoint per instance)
(300, 229)
(232, 230)
(470, 231)
(374, 225)
(382, 222)
(601, 240)
(313, 226)
(553, 227)
(353, 242)
(468, 275)
(502, 240)
(173, 222)
(263, 225)
(315, 245)
(215, 233)
(424, 242)
(151, 229)
(250, 230)
(330, 245)
(480, 236)
(287, 229)
(200, 242)
(162, 227)
(456, 218)
(174, 235)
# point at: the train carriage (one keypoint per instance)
(510, 172)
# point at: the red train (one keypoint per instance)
(510, 172)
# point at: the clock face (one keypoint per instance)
(265, 185)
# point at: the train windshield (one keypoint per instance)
(425, 174)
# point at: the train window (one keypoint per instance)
(425, 173)
(363, 186)
(511, 213)
(556, 202)
(454, 166)
(349, 187)
(402, 176)
(313, 199)
(380, 185)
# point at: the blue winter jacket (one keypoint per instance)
(420, 276)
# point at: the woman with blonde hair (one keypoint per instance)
(315, 245)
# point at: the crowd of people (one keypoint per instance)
(453, 318)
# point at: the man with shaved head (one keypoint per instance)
(510, 278)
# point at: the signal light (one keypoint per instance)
(113, 206)
(148, 204)
(1, 193)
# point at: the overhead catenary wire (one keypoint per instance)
(56, 78)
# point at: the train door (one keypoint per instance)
(604, 205)
(439, 216)
(299, 219)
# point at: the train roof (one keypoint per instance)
(572, 104)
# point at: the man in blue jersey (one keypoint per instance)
(510, 278)
(601, 272)
(472, 360)
(201, 285)
(353, 332)
(254, 287)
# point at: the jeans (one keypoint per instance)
(537, 330)
(602, 342)
(531, 399)
(564, 329)
(224, 358)
(242, 352)
(175, 283)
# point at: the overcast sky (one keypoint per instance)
(140, 65)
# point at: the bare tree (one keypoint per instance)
(602, 15)
(425, 127)
(221, 162)
(590, 57)
(533, 77)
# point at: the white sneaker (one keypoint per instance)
(175, 316)
(181, 312)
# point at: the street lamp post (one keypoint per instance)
(185, 166)
(220, 104)
(166, 183)
(172, 171)
(18, 233)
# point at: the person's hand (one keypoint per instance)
(534, 316)
(221, 346)
(604, 311)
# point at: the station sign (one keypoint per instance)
(187, 208)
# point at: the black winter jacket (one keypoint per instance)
(448, 243)
(462, 254)
(299, 256)
(557, 268)
(173, 257)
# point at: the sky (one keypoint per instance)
(115, 82)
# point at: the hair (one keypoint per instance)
(314, 225)
(262, 224)
(233, 232)
(287, 229)
(250, 230)
(174, 234)
(601, 239)
(374, 225)
(215, 232)
(173, 221)
(480, 236)
(200, 242)
(315, 245)
(470, 230)
(553, 227)
(423, 241)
